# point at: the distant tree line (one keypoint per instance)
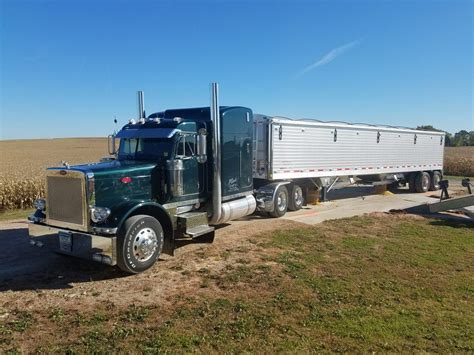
(462, 138)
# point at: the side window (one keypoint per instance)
(129, 145)
(186, 146)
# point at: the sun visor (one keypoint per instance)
(147, 133)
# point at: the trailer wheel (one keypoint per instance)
(139, 243)
(280, 202)
(435, 179)
(411, 182)
(422, 182)
(295, 198)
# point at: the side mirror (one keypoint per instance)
(111, 144)
(202, 146)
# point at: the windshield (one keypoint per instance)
(144, 148)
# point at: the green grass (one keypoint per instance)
(15, 214)
(365, 284)
(457, 178)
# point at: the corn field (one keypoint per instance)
(459, 161)
(23, 165)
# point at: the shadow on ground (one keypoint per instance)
(27, 267)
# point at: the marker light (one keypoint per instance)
(126, 180)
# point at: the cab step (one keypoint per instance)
(199, 230)
(194, 224)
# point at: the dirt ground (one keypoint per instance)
(34, 278)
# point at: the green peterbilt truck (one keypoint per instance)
(171, 177)
(177, 173)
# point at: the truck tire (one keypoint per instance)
(295, 198)
(435, 179)
(411, 182)
(422, 182)
(280, 203)
(139, 244)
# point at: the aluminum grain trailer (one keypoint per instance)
(302, 154)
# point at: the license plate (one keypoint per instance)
(65, 242)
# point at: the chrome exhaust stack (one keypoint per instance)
(141, 104)
(216, 155)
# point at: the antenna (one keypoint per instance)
(115, 121)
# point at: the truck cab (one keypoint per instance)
(175, 174)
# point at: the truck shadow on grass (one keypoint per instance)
(26, 267)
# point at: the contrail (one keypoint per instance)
(330, 56)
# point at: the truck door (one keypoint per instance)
(237, 160)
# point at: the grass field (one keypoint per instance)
(377, 283)
(23, 164)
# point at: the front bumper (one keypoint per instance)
(88, 246)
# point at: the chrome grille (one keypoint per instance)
(65, 200)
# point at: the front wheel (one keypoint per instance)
(139, 244)
(280, 203)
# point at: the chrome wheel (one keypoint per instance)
(145, 244)
(425, 182)
(282, 201)
(298, 196)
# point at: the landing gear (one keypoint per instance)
(139, 243)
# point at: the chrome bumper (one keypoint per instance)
(87, 246)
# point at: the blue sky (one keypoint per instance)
(67, 67)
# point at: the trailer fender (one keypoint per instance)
(265, 195)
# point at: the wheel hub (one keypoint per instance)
(145, 244)
(281, 201)
(298, 196)
(425, 182)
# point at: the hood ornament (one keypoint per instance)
(65, 164)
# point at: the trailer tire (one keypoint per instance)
(139, 244)
(295, 198)
(435, 179)
(411, 182)
(280, 202)
(422, 181)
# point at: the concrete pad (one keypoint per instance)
(343, 204)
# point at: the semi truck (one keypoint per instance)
(180, 172)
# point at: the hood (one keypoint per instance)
(115, 168)
(111, 191)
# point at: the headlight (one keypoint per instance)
(99, 214)
(40, 204)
